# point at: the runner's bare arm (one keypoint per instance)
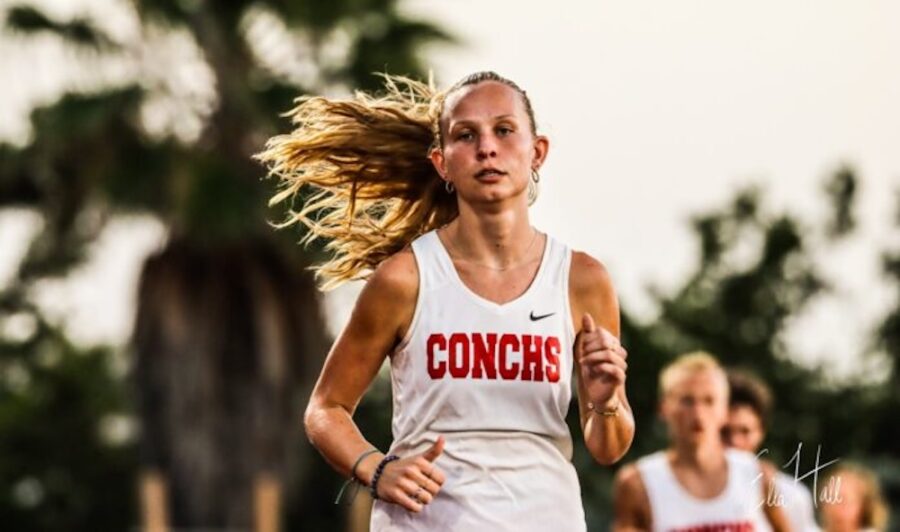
(379, 320)
(631, 505)
(591, 292)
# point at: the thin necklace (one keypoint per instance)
(511, 266)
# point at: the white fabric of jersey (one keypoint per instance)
(736, 509)
(797, 503)
(495, 381)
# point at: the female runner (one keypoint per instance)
(484, 317)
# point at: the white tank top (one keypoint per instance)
(736, 509)
(495, 380)
(797, 503)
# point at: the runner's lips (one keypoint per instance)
(489, 171)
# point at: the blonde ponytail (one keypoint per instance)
(364, 162)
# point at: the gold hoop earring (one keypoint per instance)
(532, 191)
(448, 186)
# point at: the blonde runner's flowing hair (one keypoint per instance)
(361, 168)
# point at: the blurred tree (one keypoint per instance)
(229, 336)
(884, 418)
(66, 434)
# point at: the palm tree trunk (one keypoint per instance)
(227, 341)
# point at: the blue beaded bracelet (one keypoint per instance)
(373, 486)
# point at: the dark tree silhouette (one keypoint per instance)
(229, 335)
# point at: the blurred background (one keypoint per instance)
(736, 166)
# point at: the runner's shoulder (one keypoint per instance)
(588, 273)
(396, 278)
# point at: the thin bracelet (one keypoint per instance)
(373, 486)
(610, 412)
(353, 478)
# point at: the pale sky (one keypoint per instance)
(659, 110)
(655, 111)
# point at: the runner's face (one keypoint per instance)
(486, 126)
(845, 514)
(744, 429)
(696, 407)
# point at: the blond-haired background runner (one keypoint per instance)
(696, 484)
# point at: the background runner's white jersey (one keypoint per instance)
(736, 509)
(798, 503)
(495, 380)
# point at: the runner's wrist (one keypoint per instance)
(366, 468)
(609, 408)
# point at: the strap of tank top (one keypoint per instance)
(430, 261)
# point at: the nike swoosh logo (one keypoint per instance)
(535, 318)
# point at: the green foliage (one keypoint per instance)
(93, 156)
(841, 190)
(61, 467)
(376, 50)
(26, 19)
(754, 273)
